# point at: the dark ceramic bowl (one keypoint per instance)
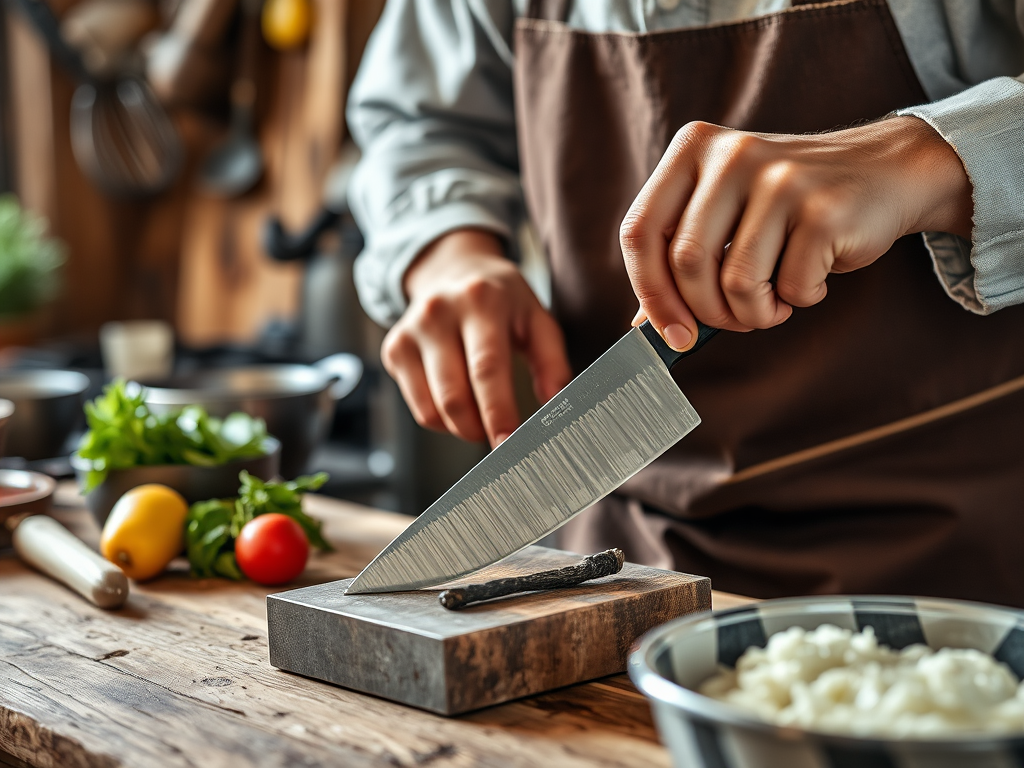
(194, 483)
(674, 659)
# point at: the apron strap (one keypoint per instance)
(548, 10)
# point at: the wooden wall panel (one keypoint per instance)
(184, 257)
(122, 255)
(229, 288)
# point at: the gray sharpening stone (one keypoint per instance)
(405, 647)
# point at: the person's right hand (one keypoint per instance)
(451, 352)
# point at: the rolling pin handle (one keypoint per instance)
(48, 546)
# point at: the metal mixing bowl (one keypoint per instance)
(296, 401)
(47, 409)
(673, 660)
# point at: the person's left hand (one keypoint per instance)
(735, 229)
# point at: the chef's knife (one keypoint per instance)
(610, 422)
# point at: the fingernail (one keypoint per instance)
(499, 439)
(678, 336)
(638, 318)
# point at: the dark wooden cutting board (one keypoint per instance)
(404, 646)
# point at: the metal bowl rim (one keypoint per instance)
(661, 690)
(28, 375)
(183, 396)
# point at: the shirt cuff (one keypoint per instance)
(985, 126)
(379, 271)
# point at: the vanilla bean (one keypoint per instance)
(591, 567)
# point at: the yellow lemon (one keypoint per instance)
(145, 530)
(286, 23)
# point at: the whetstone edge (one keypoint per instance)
(406, 647)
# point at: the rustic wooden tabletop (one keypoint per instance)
(180, 677)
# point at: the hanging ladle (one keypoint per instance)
(234, 167)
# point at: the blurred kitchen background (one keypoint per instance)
(191, 158)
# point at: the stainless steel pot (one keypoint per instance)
(296, 401)
(47, 409)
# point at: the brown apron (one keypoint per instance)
(872, 443)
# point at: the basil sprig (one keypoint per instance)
(124, 433)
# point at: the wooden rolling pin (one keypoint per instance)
(48, 546)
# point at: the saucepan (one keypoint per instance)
(296, 401)
(47, 409)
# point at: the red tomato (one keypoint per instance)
(272, 549)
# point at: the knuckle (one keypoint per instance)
(796, 290)
(693, 134)
(453, 404)
(757, 315)
(687, 257)
(433, 310)
(633, 233)
(395, 348)
(736, 279)
(822, 213)
(651, 295)
(433, 421)
(482, 293)
(486, 365)
(782, 178)
(719, 319)
(736, 149)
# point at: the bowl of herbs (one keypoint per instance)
(188, 450)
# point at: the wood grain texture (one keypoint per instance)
(230, 288)
(181, 256)
(180, 677)
(122, 253)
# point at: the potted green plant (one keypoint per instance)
(30, 264)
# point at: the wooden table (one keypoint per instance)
(180, 677)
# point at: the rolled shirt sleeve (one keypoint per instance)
(432, 110)
(985, 125)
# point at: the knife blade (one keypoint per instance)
(606, 425)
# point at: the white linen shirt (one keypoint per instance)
(432, 109)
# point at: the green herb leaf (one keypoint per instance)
(226, 565)
(207, 532)
(211, 527)
(124, 433)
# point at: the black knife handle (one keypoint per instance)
(668, 355)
